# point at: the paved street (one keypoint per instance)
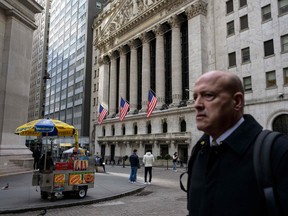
(162, 197)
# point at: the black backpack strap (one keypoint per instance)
(194, 153)
(263, 169)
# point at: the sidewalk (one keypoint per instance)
(22, 196)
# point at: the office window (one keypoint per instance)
(268, 48)
(229, 6)
(282, 6)
(232, 59)
(245, 55)
(284, 43)
(266, 13)
(242, 3)
(285, 76)
(270, 79)
(247, 82)
(244, 22)
(230, 28)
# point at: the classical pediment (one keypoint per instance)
(125, 15)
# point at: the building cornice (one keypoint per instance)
(22, 10)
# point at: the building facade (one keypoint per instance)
(69, 64)
(17, 24)
(39, 63)
(165, 45)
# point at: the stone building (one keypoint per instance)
(164, 45)
(17, 24)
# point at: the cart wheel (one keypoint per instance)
(44, 195)
(81, 193)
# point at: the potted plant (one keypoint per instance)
(167, 157)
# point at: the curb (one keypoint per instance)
(72, 204)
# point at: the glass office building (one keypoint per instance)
(69, 63)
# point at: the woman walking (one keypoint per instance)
(148, 161)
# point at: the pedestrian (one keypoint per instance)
(99, 162)
(174, 161)
(134, 163)
(36, 155)
(49, 162)
(221, 177)
(148, 160)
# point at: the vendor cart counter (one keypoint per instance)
(63, 182)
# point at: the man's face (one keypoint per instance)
(214, 106)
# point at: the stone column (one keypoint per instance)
(133, 77)
(122, 74)
(176, 61)
(113, 76)
(104, 80)
(145, 70)
(160, 67)
(197, 45)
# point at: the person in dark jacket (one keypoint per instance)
(134, 162)
(221, 177)
(49, 162)
(36, 155)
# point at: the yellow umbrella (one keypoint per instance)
(47, 127)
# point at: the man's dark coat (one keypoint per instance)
(222, 181)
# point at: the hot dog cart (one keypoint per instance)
(70, 177)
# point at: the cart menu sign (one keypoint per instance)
(81, 178)
(59, 181)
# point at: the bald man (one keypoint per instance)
(221, 178)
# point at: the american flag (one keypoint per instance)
(124, 106)
(102, 114)
(152, 101)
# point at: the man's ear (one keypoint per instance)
(238, 98)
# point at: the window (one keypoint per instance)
(103, 131)
(229, 6)
(245, 55)
(149, 128)
(268, 48)
(247, 82)
(232, 59)
(285, 76)
(242, 3)
(266, 13)
(183, 126)
(284, 43)
(123, 130)
(270, 79)
(113, 130)
(244, 22)
(282, 6)
(230, 28)
(164, 126)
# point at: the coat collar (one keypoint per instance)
(240, 140)
(244, 135)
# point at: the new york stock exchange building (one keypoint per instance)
(163, 46)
